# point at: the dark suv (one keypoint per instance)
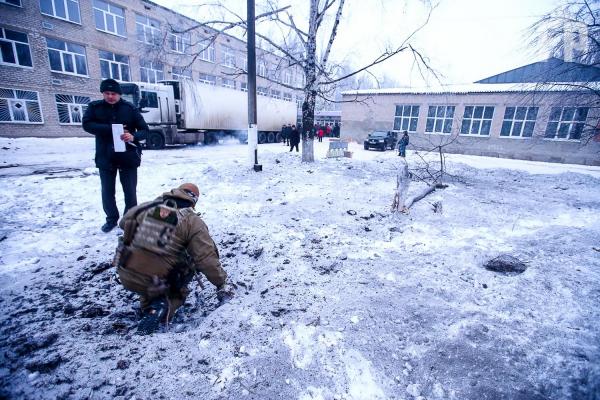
(381, 140)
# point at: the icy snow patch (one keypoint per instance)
(360, 377)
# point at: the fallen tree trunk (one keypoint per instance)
(411, 200)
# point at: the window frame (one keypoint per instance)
(73, 54)
(20, 5)
(570, 122)
(105, 14)
(67, 13)
(146, 26)
(228, 57)
(514, 120)
(207, 79)
(473, 119)
(208, 53)
(70, 105)
(14, 99)
(148, 66)
(182, 40)
(180, 73)
(410, 117)
(443, 118)
(114, 61)
(228, 83)
(14, 48)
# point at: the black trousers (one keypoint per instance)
(294, 145)
(128, 178)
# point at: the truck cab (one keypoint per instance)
(157, 103)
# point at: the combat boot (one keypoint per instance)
(153, 316)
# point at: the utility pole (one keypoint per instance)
(252, 114)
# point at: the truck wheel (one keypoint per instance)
(271, 137)
(155, 140)
(366, 147)
(262, 137)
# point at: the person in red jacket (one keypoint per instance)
(320, 133)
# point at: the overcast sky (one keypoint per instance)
(465, 40)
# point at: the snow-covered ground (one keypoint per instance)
(337, 298)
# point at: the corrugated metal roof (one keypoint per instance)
(550, 70)
(482, 88)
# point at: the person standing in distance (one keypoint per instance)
(98, 120)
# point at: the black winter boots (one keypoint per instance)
(154, 314)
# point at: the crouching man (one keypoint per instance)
(165, 243)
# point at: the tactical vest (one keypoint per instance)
(156, 231)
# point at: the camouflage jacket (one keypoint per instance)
(190, 246)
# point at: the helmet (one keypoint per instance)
(191, 191)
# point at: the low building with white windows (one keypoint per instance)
(509, 115)
(54, 53)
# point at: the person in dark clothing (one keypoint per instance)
(402, 145)
(98, 120)
(288, 134)
(294, 138)
(336, 130)
(284, 133)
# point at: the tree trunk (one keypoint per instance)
(410, 201)
(310, 92)
(402, 183)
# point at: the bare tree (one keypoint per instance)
(571, 33)
(298, 45)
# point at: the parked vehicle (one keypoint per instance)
(381, 140)
(187, 112)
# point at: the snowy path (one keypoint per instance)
(330, 305)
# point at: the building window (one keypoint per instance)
(243, 86)
(228, 83)
(228, 57)
(109, 18)
(71, 108)
(114, 66)
(147, 29)
(477, 120)
(180, 73)
(261, 69)
(287, 77)
(263, 91)
(519, 121)
(151, 71)
(208, 51)
(20, 106)
(11, 2)
(63, 9)
(439, 119)
(209, 79)
(179, 42)
(287, 96)
(67, 57)
(566, 122)
(276, 94)
(14, 48)
(406, 118)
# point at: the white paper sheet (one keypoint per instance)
(117, 131)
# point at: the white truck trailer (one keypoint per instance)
(187, 112)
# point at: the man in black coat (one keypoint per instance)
(294, 138)
(98, 120)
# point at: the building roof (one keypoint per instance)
(550, 70)
(482, 88)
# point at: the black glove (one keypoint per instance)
(225, 293)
